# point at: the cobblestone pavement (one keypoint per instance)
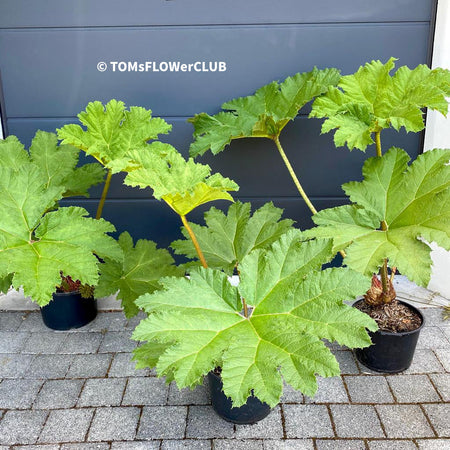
(79, 390)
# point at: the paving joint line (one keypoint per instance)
(435, 388)
(333, 425)
(283, 420)
(391, 391)
(381, 422)
(113, 357)
(94, 414)
(344, 382)
(186, 422)
(42, 429)
(436, 434)
(439, 360)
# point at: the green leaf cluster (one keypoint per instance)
(228, 238)
(263, 114)
(138, 273)
(35, 246)
(112, 131)
(412, 202)
(182, 184)
(195, 325)
(371, 100)
(57, 163)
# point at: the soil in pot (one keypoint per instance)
(69, 310)
(251, 412)
(394, 344)
(395, 317)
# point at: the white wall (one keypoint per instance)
(437, 135)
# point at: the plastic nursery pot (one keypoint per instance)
(390, 352)
(253, 411)
(69, 310)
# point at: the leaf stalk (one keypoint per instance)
(194, 241)
(384, 277)
(276, 139)
(294, 177)
(244, 305)
(104, 193)
(378, 142)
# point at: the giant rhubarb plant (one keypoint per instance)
(393, 210)
(183, 185)
(111, 132)
(360, 108)
(262, 115)
(197, 324)
(37, 246)
(57, 166)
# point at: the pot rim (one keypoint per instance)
(211, 372)
(66, 293)
(400, 333)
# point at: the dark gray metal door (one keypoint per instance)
(49, 55)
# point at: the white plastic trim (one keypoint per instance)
(437, 135)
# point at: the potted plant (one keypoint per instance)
(270, 326)
(396, 207)
(111, 134)
(276, 317)
(73, 304)
(44, 247)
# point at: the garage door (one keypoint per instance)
(49, 61)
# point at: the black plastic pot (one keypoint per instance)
(390, 352)
(69, 310)
(253, 411)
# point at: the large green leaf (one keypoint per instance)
(371, 100)
(228, 238)
(412, 201)
(112, 131)
(182, 184)
(5, 283)
(139, 272)
(197, 324)
(57, 163)
(263, 114)
(13, 153)
(36, 247)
